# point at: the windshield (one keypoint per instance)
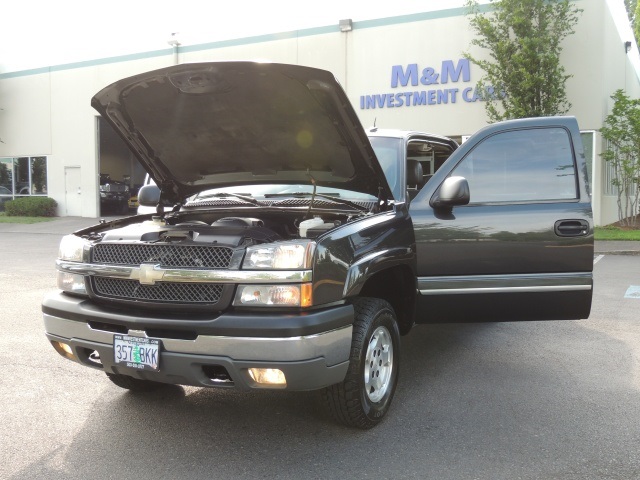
(389, 152)
(262, 191)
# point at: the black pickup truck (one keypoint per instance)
(300, 246)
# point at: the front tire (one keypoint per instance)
(364, 396)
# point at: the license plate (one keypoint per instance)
(137, 352)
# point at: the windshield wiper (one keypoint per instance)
(239, 196)
(334, 197)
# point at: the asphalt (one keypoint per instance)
(65, 225)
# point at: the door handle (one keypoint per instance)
(571, 228)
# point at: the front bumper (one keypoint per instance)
(313, 354)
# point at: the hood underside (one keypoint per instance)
(208, 125)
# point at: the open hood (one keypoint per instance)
(206, 125)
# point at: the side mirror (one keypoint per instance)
(453, 191)
(149, 196)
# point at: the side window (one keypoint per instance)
(422, 152)
(388, 150)
(424, 158)
(520, 166)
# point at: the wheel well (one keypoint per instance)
(396, 285)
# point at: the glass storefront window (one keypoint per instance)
(22, 176)
(39, 175)
(6, 176)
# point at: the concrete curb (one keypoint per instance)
(615, 247)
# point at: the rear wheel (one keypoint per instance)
(364, 396)
(134, 384)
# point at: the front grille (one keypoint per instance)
(184, 256)
(160, 292)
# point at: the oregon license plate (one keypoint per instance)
(137, 352)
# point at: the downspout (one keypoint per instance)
(175, 44)
(345, 27)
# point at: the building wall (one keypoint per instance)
(25, 118)
(47, 111)
(372, 54)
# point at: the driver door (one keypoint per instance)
(522, 248)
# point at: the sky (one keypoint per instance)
(40, 33)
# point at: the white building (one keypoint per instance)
(399, 72)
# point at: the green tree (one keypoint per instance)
(633, 12)
(635, 22)
(523, 75)
(621, 131)
(631, 6)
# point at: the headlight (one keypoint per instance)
(279, 256)
(72, 248)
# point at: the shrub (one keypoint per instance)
(31, 207)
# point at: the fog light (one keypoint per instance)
(64, 350)
(71, 282)
(298, 295)
(268, 376)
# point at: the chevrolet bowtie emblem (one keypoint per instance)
(147, 274)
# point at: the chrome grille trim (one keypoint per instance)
(184, 275)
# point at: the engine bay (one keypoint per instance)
(232, 231)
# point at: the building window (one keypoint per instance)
(38, 175)
(22, 176)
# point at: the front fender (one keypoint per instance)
(347, 256)
(374, 263)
